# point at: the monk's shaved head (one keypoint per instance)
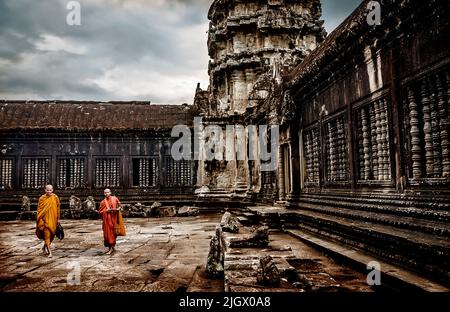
(107, 192)
(49, 189)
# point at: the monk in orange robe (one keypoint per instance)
(109, 212)
(48, 215)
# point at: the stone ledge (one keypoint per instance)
(360, 259)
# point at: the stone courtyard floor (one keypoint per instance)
(166, 254)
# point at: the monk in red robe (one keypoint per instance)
(110, 213)
(48, 215)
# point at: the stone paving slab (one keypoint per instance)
(158, 254)
(312, 269)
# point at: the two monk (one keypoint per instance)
(48, 215)
(112, 220)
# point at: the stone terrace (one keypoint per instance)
(158, 254)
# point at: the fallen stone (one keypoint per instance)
(136, 211)
(89, 208)
(75, 203)
(202, 190)
(286, 270)
(317, 282)
(229, 223)
(154, 210)
(186, 211)
(259, 237)
(155, 205)
(215, 260)
(268, 274)
(89, 204)
(161, 212)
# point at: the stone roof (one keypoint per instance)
(91, 116)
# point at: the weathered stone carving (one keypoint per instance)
(444, 126)
(429, 127)
(366, 145)
(74, 203)
(160, 211)
(6, 171)
(259, 237)
(89, 208)
(215, 260)
(229, 223)
(427, 130)
(268, 274)
(136, 211)
(26, 204)
(154, 208)
(89, 204)
(336, 151)
(415, 135)
(373, 142)
(312, 155)
(288, 110)
(186, 211)
(75, 207)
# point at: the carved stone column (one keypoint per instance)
(444, 124)
(280, 171)
(416, 148)
(240, 95)
(294, 164)
(427, 129)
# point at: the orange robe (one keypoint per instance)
(109, 220)
(48, 214)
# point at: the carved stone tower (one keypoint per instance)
(248, 39)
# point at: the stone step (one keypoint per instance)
(244, 221)
(379, 207)
(394, 274)
(424, 201)
(423, 252)
(427, 226)
(8, 215)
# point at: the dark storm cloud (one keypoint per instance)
(124, 50)
(335, 12)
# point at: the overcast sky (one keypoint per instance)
(124, 49)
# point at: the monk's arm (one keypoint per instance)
(102, 207)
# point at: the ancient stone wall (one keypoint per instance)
(249, 43)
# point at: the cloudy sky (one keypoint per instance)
(123, 50)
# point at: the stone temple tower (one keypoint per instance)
(246, 38)
(249, 39)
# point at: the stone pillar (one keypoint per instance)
(280, 171)
(250, 78)
(294, 165)
(240, 96)
(242, 169)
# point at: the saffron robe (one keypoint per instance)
(111, 219)
(48, 215)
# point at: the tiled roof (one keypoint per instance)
(91, 116)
